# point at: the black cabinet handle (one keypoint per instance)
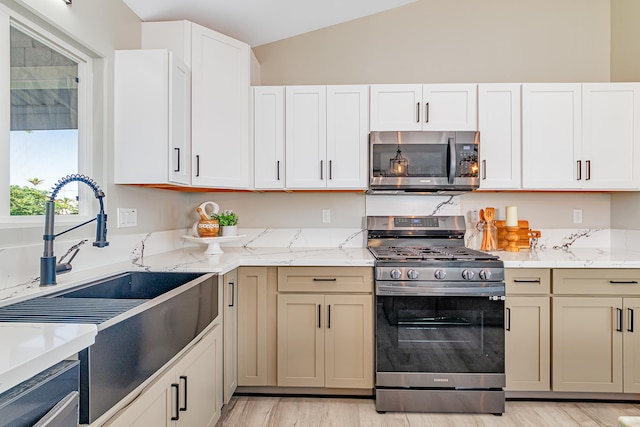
(278, 170)
(329, 317)
(623, 282)
(177, 402)
(579, 162)
(630, 327)
(197, 165)
(330, 167)
(526, 280)
(233, 294)
(321, 169)
(484, 169)
(588, 162)
(619, 320)
(322, 279)
(178, 150)
(319, 314)
(426, 112)
(508, 326)
(418, 112)
(184, 378)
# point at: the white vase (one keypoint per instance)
(229, 230)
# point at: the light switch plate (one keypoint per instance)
(127, 217)
(577, 216)
(326, 216)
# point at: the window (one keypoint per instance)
(47, 126)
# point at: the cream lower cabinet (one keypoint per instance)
(527, 330)
(595, 341)
(188, 394)
(325, 327)
(257, 305)
(230, 309)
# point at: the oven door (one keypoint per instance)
(454, 341)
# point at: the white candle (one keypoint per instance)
(512, 216)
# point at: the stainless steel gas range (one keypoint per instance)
(439, 317)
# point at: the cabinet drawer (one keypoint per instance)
(593, 281)
(527, 280)
(325, 279)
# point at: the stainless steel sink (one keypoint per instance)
(132, 285)
(144, 319)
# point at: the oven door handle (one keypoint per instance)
(451, 155)
(493, 292)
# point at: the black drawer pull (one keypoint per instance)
(508, 326)
(233, 294)
(319, 314)
(329, 317)
(623, 282)
(177, 402)
(619, 320)
(178, 166)
(184, 378)
(526, 280)
(630, 327)
(321, 279)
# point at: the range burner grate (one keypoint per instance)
(430, 253)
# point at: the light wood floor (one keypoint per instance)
(256, 411)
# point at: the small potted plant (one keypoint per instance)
(228, 220)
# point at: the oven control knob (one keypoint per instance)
(395, 273)
(412, 274)
(440, 274)
(468, 274)
(485, 274)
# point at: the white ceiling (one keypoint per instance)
(258, 22)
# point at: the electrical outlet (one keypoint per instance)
(127, 217)
(326, 216)
(577, 216)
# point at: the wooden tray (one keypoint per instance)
(524, 234)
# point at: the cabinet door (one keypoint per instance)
(301, 324)
(154, 406)
(631, 330)
(230, 283)
(199, 375)
(499, 125)
(452, 107)
(396, 107)
(349, 341)
(179, 122)
(220, 110)
(552, 136)
(611, 135)
(347, 137)
(257, 305)
(587, 348)
(306, 136)
(268, 137)
(151, 126)
(528, 344)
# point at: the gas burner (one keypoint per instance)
(429, 253)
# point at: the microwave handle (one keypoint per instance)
(452, 159)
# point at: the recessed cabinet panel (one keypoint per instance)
(499, 125)
(268, 127)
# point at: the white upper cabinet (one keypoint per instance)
(499, 125)
(347, 137)
(611, 135)
(306, 136)
(326, 137)
(268, 137)
(152, 96)
(551, 136)
(220, 69)
(580, 136)
(416, 107)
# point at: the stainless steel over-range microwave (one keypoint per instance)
(414, 162)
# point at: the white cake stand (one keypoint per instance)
(213, 243)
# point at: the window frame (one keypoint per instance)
(86, 206)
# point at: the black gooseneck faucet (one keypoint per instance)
(48, 266)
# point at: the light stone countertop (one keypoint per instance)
(30, 348)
